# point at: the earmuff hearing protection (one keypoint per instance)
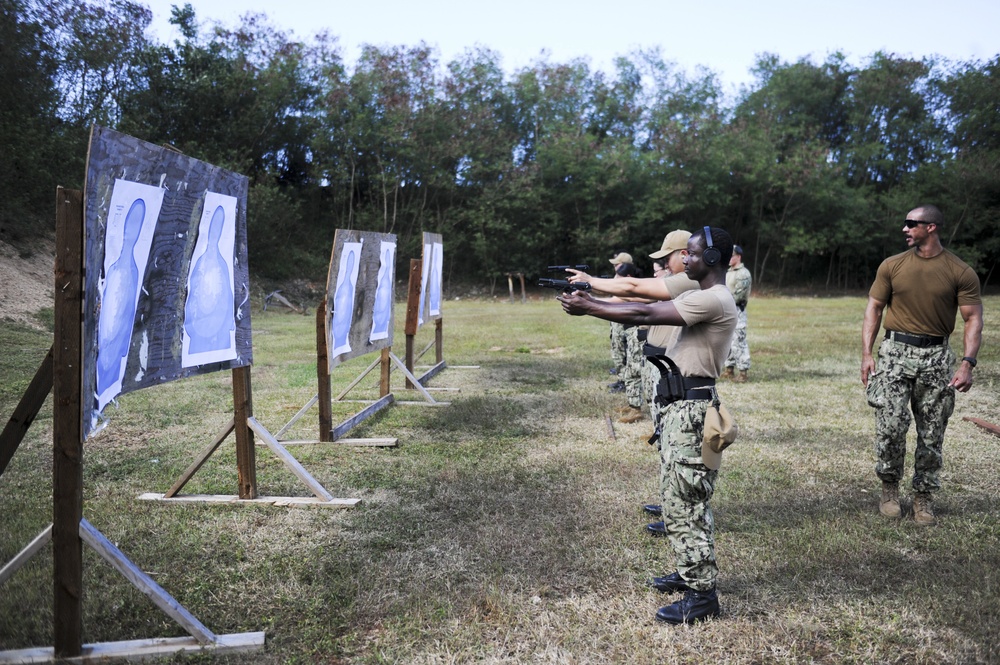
(711, 255)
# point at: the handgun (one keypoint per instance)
(564, 285)
(581, 268)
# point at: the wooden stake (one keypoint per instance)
(246, 455)
(67, 427)
(323, 376)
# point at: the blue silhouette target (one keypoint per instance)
(209, 310)
(128, 237)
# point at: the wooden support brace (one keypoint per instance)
(289, 461)
(202, 458)
(144, 583)
(24, 555)
(287, 426)
(26, 411)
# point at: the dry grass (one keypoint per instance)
(507, 527)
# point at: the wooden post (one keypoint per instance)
(438, 341)
(246, 455)
(524, 298)
(67, 427)
(323, 376)
(510, 286)
(383, 384)
(412, 314)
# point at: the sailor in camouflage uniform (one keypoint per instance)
(738, 280)
(919, 290)
(707, 317)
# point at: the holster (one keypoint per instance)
(672, 385)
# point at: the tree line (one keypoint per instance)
(811, 167)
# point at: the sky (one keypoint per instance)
(724, 36)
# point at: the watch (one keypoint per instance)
(970, 360)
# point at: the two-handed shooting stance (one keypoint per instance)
(707, 318)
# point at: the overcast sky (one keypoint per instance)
(722, 35)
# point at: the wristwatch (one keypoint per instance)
(970, 360)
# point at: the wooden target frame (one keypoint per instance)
(69, 530)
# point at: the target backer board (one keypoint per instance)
(360, 294)
(166, 282)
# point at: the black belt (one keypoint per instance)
(641, 334)
(914, 340)
(650, 350)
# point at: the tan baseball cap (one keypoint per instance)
(673, 241)
(623, 257)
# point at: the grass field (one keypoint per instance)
(507, 527)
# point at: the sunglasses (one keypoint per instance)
(910, 223)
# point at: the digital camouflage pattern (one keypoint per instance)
(911, 377)
(618, 347)
(650, 377)
(632, 376)
(738, 281)
(687, 486)
(739, 352)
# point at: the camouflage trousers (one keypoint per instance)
(909, 377)
(632, 374)
(687, 485)
(650, 377)
(618, 346)
(739, 352)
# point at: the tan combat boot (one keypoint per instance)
(923, 509)
(741, 377)
(630, 414)
(889, 503)
(728, 374)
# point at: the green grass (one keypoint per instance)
(507, 527)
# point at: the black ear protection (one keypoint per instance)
(711, 256)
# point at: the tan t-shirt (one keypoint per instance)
(703, 343)
(663, 336)
(922, 295)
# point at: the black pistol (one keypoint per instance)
(581, 268)
(564, 285)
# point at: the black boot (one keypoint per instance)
(693, 607)
(670, 583)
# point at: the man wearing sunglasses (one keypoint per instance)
(920, 291)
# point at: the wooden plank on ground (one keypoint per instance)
(365, 413)
(375, 441)
(145, 583)
(989, 427)
(432, 372)
(140, 650)
(262, 500)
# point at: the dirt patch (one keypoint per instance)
(26, 281)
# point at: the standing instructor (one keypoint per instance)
(920, 291)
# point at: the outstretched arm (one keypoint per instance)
(634, 313)
(650, 288)
(873, 320)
